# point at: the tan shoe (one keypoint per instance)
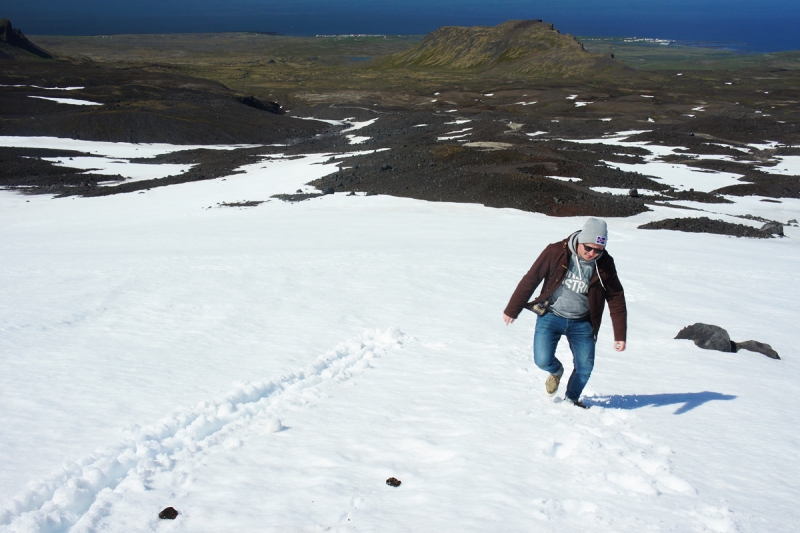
(551, 384)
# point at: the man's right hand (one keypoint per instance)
(507, 319)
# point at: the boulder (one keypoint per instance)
(711, 337)
(773, 228)
(707, 336)
(759, 347)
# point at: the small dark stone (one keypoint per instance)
(633, 193)
(386, 167)
(329, 190)
(392, 482)
(299, 191)
(691, 134)
(793, 221)
(168, 514)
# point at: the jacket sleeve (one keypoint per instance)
(528, 284)
(615, 296)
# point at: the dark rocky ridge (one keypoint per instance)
(138, 106)
(707, 225)
(14, 45)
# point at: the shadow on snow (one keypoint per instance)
(690, 400)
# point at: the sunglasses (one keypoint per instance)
(590, 249)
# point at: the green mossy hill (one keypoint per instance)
(516, 47)
(14, 45)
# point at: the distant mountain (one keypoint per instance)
(516, 47)
(14, 45)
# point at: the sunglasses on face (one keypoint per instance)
(590, 249)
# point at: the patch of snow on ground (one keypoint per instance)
(454, 135)
(681, 177)
(562, 178)
(419, 125)
(581, 104)
(46, 88)
(525, 103)
(459, 121)
(111, 149)
(58, 88)
(535, 133)
(328, 121)
(70, 101)
(787, 208)
(624, 191)
(786, 164)
(356, 139)
(358, 125)
(112, 167)
(745, 150)
(572, 97)
(769, 145)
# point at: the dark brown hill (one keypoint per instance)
(14, 45)
(514, 48)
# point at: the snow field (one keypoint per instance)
(118, 310)
(171, 448)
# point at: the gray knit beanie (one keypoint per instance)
(594, 231)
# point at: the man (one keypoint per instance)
(579, 277)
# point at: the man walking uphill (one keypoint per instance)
(579, 278)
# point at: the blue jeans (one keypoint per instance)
(580, 335)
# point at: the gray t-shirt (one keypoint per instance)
(571, 299)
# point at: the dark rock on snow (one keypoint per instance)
(707, 225)
(708, 337)
(711, 337)
(393, 482)
(15, 39)
(773, 228)
(168, 514)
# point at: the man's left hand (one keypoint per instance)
(619, 346)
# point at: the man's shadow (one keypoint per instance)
(690, 400)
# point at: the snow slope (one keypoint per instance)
(266, 369)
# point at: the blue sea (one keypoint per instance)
(748, 25)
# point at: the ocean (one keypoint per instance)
(749, 25)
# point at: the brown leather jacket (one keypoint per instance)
(552, 266)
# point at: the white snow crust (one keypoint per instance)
(123, 167)
(268, 368)
(70, 101)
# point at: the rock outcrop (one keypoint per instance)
(513, 48)
(14, 45)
